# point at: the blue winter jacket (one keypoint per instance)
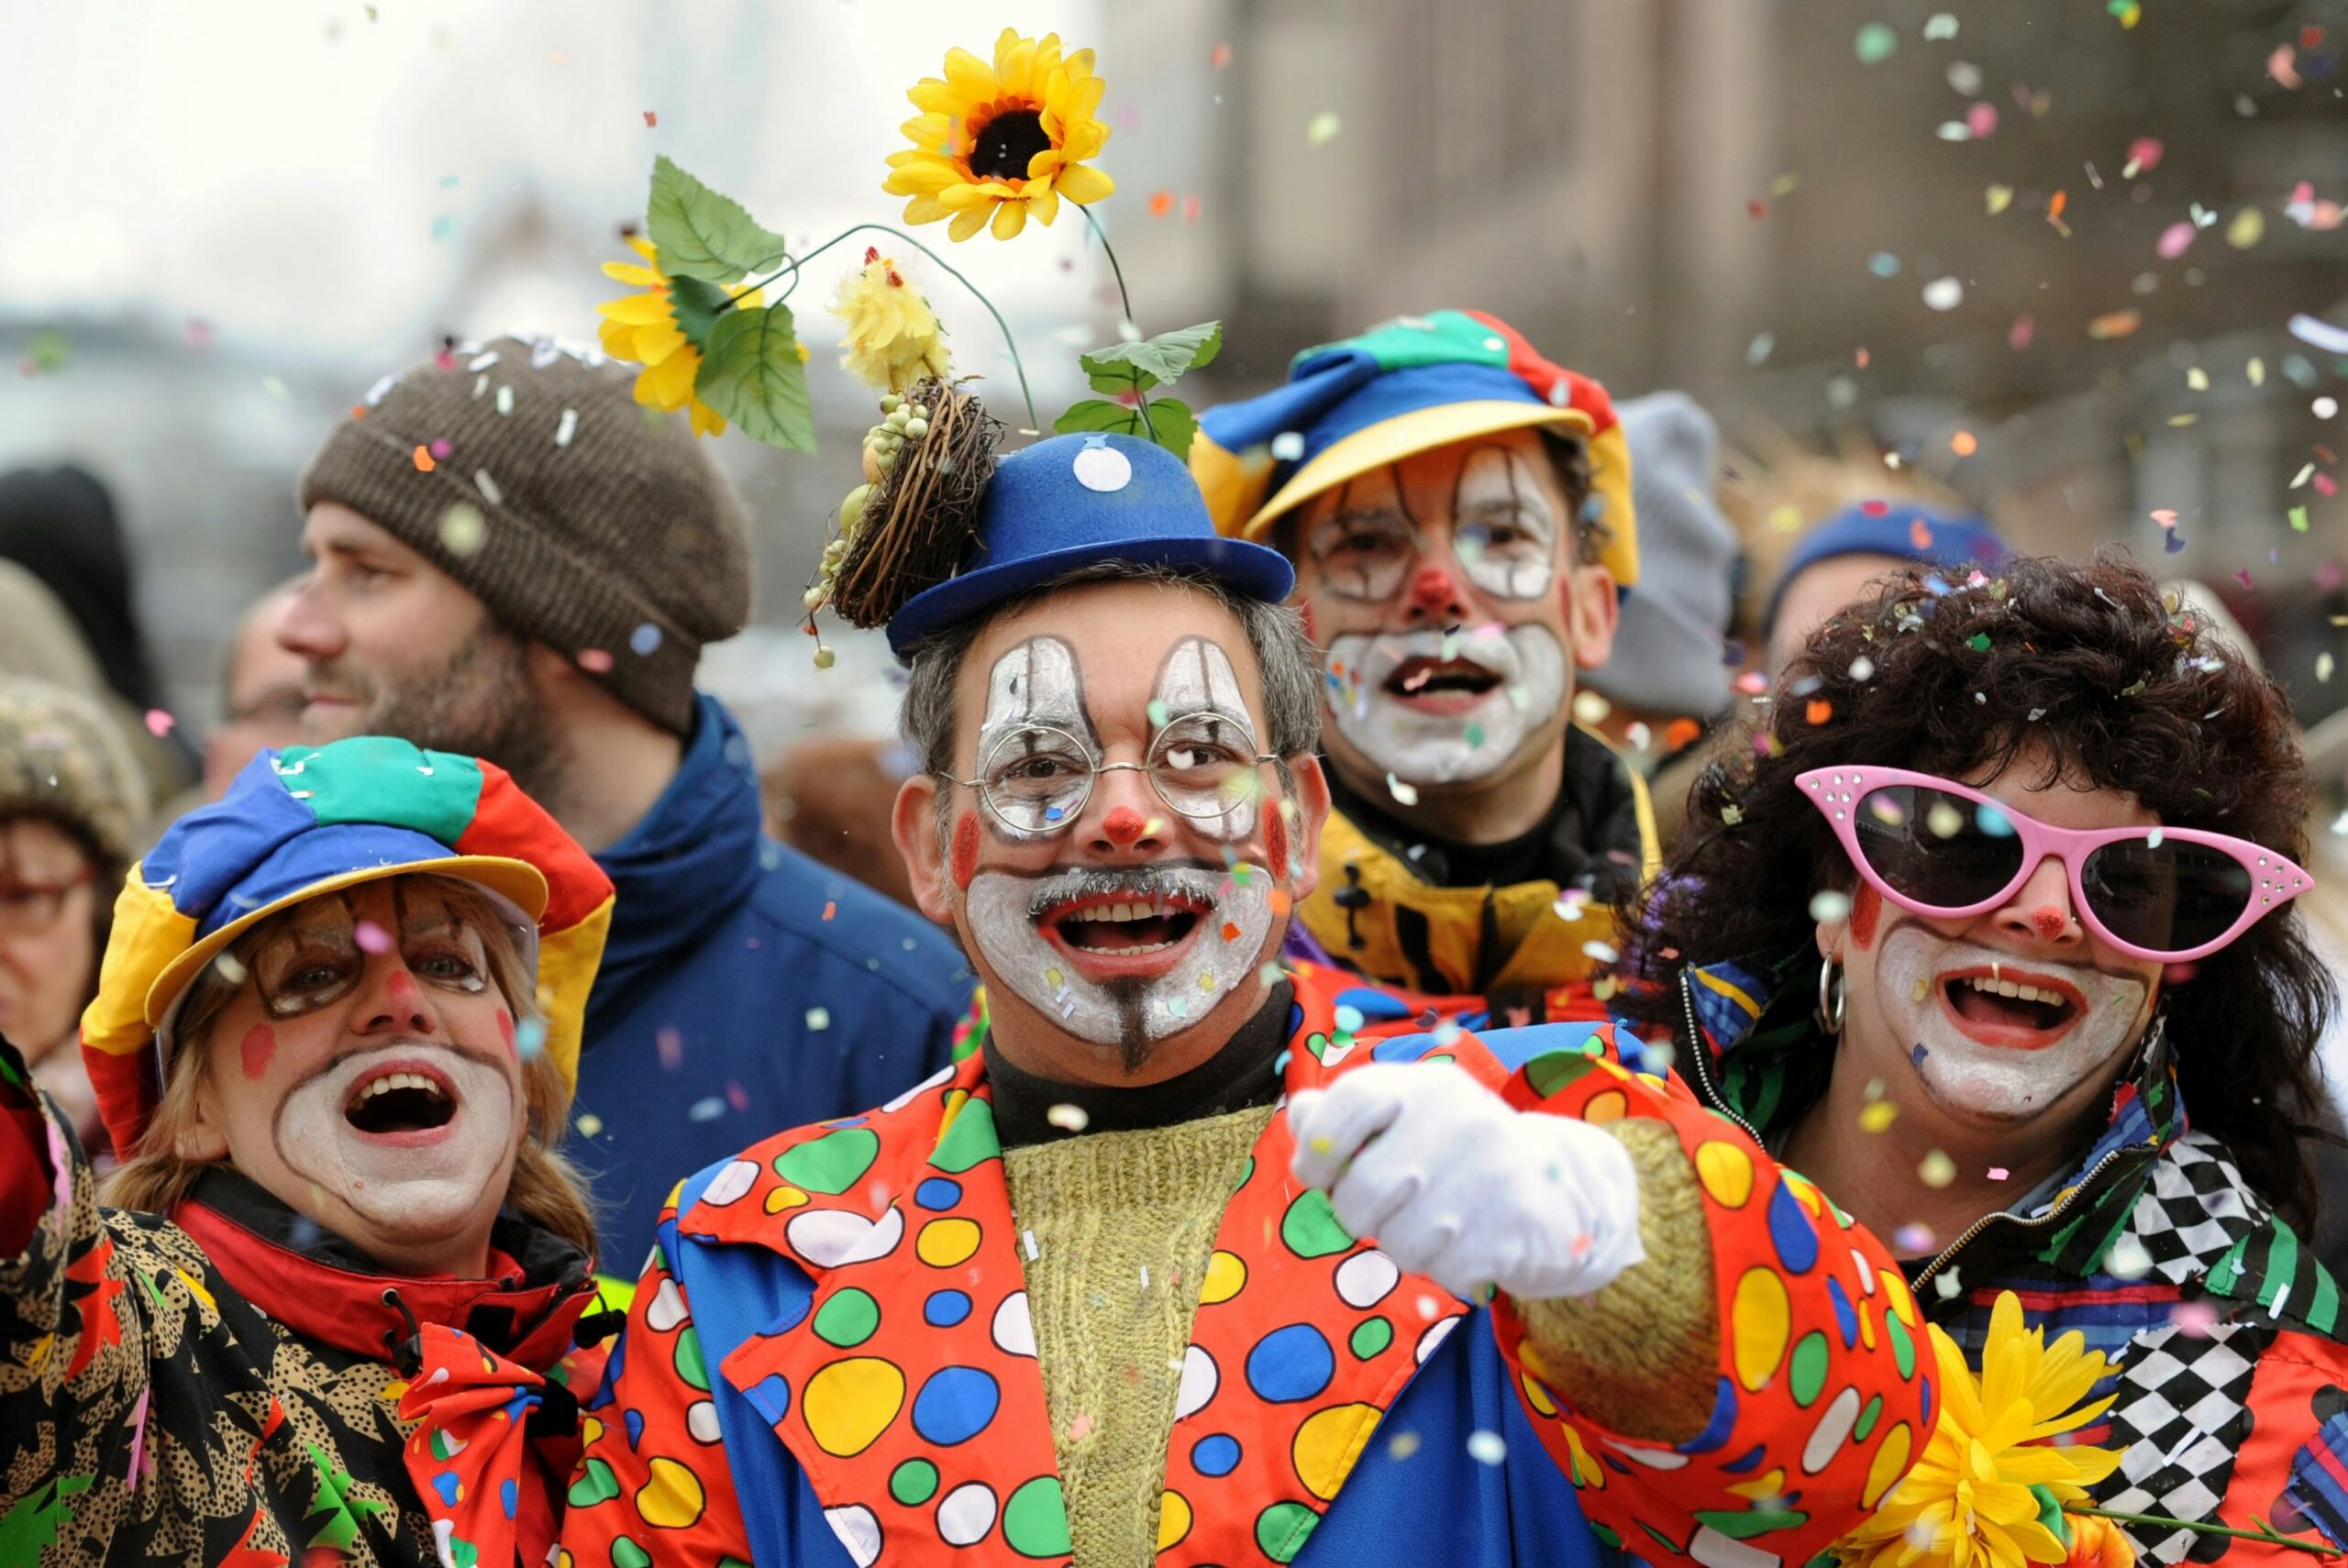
(746, 987)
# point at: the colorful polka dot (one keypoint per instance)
(671, 1498)
(1173, 1519)
(1726, 1172)
(1809, 1370)
(1609, 1105)
(1365, 1278)
(1216, 1455)
(1370, 1337)
(1537, 1397)
(967, 1514)
(1292, 1363)
(848, 1318)
(1225, 1276)
(831, 1164)
(944, 1309)
(1013, 1329)
(1760, 1319)
(1791, 1231)
(938, 1192)
(1328, 1444)
(1833, 1428)
(1310, 1227)
(914, 1483)
(1283, 1530)
(782, 1197)
(1890, 1462)
(689, 1361)
(850, 1403)
(858, 1530)
(955, 1404)
(944, 1244)
(1903, 1348)
(1201, 1378)
(1034, 1522)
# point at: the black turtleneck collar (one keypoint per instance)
(1245, 1073)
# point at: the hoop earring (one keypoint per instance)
(1833, 998)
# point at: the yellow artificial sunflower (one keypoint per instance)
(999, 142)
(894, 339)
(1988, 1489)
(643, 328)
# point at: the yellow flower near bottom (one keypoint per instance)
(643, 328)
(1987, 1483)
(2097, 1544)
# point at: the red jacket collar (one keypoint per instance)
(323, 1288)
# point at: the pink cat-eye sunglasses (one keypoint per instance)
(1939, 848)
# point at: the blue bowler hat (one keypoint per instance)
(1074, 500)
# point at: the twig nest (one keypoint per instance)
(926, 469)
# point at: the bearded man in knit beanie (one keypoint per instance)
(513, 561)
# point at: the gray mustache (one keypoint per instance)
(1140, 884)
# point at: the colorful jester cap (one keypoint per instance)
(309, 821)
(1411, 385)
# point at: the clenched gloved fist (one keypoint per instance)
(1453, 1183)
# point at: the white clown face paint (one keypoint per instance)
(403, 1183)
(1208, 929)
(2001, 1062)
(1504, 528)
(1204, 756)
(1431, 707)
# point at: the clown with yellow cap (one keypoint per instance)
(333, 1296)
(1458, 510)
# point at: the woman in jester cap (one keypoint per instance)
(331, 1302)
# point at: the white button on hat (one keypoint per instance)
(1103, 469)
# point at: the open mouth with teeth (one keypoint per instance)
(1441, 682)
(401, 1102)
(2000, 1008)
(1134, 929)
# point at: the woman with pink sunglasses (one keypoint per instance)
(1988, 933)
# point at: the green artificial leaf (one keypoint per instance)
(701, 234)
(1154, 362)
(1172, 424)
(751, 374)
(1169, 423)
(1099, 413)
(694, 306)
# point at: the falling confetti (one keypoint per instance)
(1486, 1447)
(1944, 294)
(1323, 130)
(1875, 43)
(1936, 1169)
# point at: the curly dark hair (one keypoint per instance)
(2120, 688)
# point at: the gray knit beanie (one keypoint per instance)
(1668, 646)
(526, 470)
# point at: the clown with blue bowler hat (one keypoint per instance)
(1458, 509)
(1175, 1264)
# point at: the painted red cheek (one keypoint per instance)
(505, 1029)
(966, 849)
(1866, 913)
(259, 1046)
(1275, 845)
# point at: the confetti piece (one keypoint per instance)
(1404, 1445)
(424, 463)
(1999, 198)
(652, 119)
(669, 1040)
(1912, 1239)
(1877, 1117)
(1068, 1118)
(831, 909)
(1964, 444)
(2115, 324)
(1287, 446)
(565, 427)
(1947, 1285)
(819, 1019)
(1599, 953)
(1875, 43)
(1486, 1447)
(371, 937)
(2173, 239)
(1884, 264)
(1818, 711)
(594, 661)
(645, 640)
(1938, 1169)
(1944, 294)
(2319, 334)
(2024, 329)
(2128, 1259)
(2282, 67)
(707, 1108)
(463, 529)
(1322, 129)
(2194, 1319)
(1219, 57)
(159, 723)
(589, 1124)
(1939, 25)
(1999, 1173)
(230, 970)
(1981, 120)
(2144, 157)
(1405, 793)
(1830, 907)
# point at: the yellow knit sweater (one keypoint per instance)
(1123, 1225)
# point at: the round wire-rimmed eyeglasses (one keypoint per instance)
(1036, 779)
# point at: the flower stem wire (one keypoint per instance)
(2264, 1532)
(1125, 303)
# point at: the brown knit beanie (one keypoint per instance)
(526, 470)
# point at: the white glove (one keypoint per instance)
(1455, 1184)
